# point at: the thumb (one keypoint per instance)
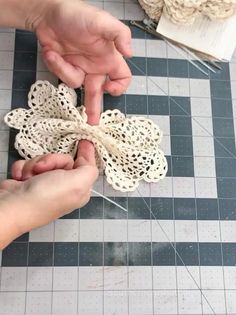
(85, 154)
(84, 174)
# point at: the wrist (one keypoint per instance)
(24, 14)
(10, 211)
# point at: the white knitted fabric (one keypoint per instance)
(185, 11)
(128, 148)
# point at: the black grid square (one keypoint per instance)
(207, 209)
(93, 209)
(90, 254)
(222, 74)
(180, 106)
(224, 147)
(178, 68)
(157, 67)
(223, 127)
(182, 145)
(210, 254)
(40, 254)
(184, 209)
(111, 211)
(221, 108)
(163, 254)
(137, 65)
(180, 126)
(66, 254)
(22, 80)
(158, 105)
(182, 166)
(225, 167)
(136, 104)
(227, 209)
(19, 99)
(195, 73)
(25, 61)
(162, 208)
(187, 254)
(138, 208)
(229, 254)
(139, 254)
(226, 187)
(114, 102)
(25, 41)
(15, 255)
(115, 254)
(220, 89)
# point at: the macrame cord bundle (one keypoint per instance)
(127, 148)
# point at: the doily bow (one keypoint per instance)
(127, 148)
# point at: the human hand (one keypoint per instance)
(82, 45)
(44, 189)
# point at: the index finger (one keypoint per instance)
(93, 88)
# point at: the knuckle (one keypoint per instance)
(72, 82)
(75, 84)
(92, 89)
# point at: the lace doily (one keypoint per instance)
(128, 148)
(185, 11)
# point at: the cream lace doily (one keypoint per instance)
(127, 148)
(185, 11)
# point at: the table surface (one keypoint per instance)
(101, 260)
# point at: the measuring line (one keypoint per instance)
(177, 253)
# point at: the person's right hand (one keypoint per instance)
(44, 189)
(83, 45)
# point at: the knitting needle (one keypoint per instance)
(153, 25)
(189, 60)
(171, 45)
(192, 54)
(216, 65)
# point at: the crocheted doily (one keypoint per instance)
(128, 148)
(185, 11)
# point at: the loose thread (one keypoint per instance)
(110, 200)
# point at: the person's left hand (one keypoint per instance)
(82, 45)
(44, 189)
